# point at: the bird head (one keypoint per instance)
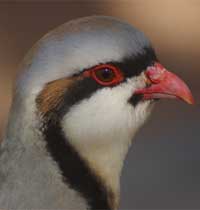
(91, 83)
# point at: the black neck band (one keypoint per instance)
(75, 171)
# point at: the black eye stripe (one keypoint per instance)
(133, 65)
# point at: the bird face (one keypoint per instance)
(94, 81)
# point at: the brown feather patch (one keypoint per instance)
(52, 94)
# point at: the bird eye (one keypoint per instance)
(106, 75)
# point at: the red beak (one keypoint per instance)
(164, 84)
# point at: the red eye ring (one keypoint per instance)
(105, 74)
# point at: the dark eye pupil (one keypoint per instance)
(106, 73)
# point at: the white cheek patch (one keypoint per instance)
(105, 116)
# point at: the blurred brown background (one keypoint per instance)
(162, 170)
